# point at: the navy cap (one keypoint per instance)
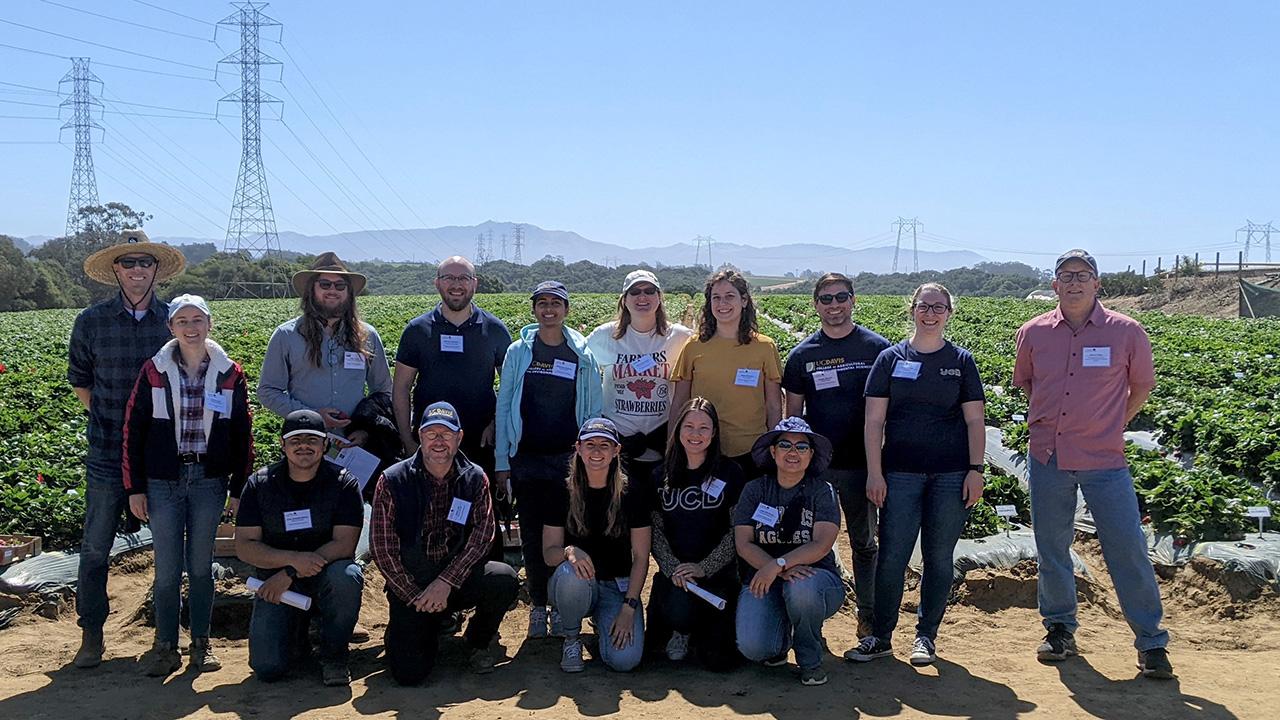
(1076, 254)
(441, 413)
(303, 422)
(598, 427)
(553, 288)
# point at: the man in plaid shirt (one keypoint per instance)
(431, 529)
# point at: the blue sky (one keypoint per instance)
(1015, 129)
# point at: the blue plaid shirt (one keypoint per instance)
(106, 352)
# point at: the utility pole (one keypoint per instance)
(903, 225)
(518, 258)
(1256, 233)
(84, 184)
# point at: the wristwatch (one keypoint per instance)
(782, 562)
(978, 468)
(288, 570)
(633, 603)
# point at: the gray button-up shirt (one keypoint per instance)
(289, 381)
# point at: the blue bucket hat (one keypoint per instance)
(821, 446)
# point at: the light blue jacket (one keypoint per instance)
(589, 401)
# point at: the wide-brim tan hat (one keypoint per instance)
(328, 264)
(134, 241)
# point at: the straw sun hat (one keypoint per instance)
(134, 241)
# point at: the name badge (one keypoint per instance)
(906, 369)
(564, 369)
(826, 379)
(713, 487)
(450, 343)
(216, 402)
(766, 515)
(747, 377)
(624, 584)
(643, 364)
(297, 520)
(352, 361)
(459, 511)
(1096, 356)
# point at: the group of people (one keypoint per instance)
(696, 447)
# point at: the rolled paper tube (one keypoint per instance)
(291, 598)
(717, 601)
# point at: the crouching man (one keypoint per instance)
(430, 533)
(298, 523)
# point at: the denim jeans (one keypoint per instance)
(184, 515)
(1111, 500)
(531, 475)
(861, 519)
(576, 598)
(105, 500)
(931, 507)
(792, 612)
(335, 596)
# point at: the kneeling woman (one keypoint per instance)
(187, 440)
(597, 537)
(785, 526)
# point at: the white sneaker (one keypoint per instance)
(923, 651)
(571, 655)
(678, 646)
(537, 622)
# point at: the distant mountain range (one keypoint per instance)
(432, 244)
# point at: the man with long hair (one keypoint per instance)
(324, 359)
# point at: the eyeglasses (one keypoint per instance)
(436, 436)
(926, 308)
(650, 290)
(456, 279)
(800, 447)
(304, 441)
(840, 297)
(143, 262)
(1067, 276)
(338, 285)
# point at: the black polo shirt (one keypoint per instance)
(456, 364)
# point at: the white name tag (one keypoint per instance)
(6, 557)
(459, 511)
(564, 369)
(1096, 357)
(159, 404)
(826, 379)
(352, 361)
(450, 343)
(906, 369)
(1258, 511)
(297, 520)
(644, 364)
(216, 402)
(747, 377)
(713, 487)
(624, 584)
(766, 515)
(1006, 510)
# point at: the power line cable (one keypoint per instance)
(147, 200)
(147, 179)
(101, 45)
(162, 169)
(33, 117)
(175, 12)
(99, 63)
(169, 142)
(30, 87)
(126, 22)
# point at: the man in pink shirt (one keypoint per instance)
(1087, 371)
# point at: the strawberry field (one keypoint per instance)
(1218, 396)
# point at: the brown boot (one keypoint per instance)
(90, 653)
(161, 660)
(202, 657)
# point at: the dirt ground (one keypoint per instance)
(1206, 295)
(1226, 649)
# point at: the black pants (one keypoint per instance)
(413, 637)
(531, 475)
(711, 631)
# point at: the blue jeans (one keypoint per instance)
(575, 598)
(184, 515)
(791, 612)
(335, 595)
(105, 500)
(929, 506)
(1111, 500)
(860, 518)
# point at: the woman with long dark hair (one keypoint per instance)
(693, 542)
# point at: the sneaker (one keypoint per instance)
(1059, 644)
(202, 657)
(777, 660)
(678, 647)
(571, 656)
(813, 676)
(537, 622)
(359, 634)
(161, 660)
(482, 661)
(335, 673)
(557, 630)
(90, 653)
(869, 648)
(923, 651)
(1154, 663)
(451, 624)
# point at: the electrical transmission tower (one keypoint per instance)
(700, 242)
(518, 258)
(1256, 233)
(913, 226)
(482, 252)
(84, 184)
(252, 227)
(504, 246)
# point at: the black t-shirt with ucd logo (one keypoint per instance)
(924, 429)
(696, 509)
(550, 425)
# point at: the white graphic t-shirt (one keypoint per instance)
(636, 369)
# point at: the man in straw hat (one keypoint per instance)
(323, 359)
(109, 342)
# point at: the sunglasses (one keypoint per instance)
(840, 297)
(130, 263)
(935, 308)
(800, 447)
(1067, 276)
(634, 292)
(338, 285)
